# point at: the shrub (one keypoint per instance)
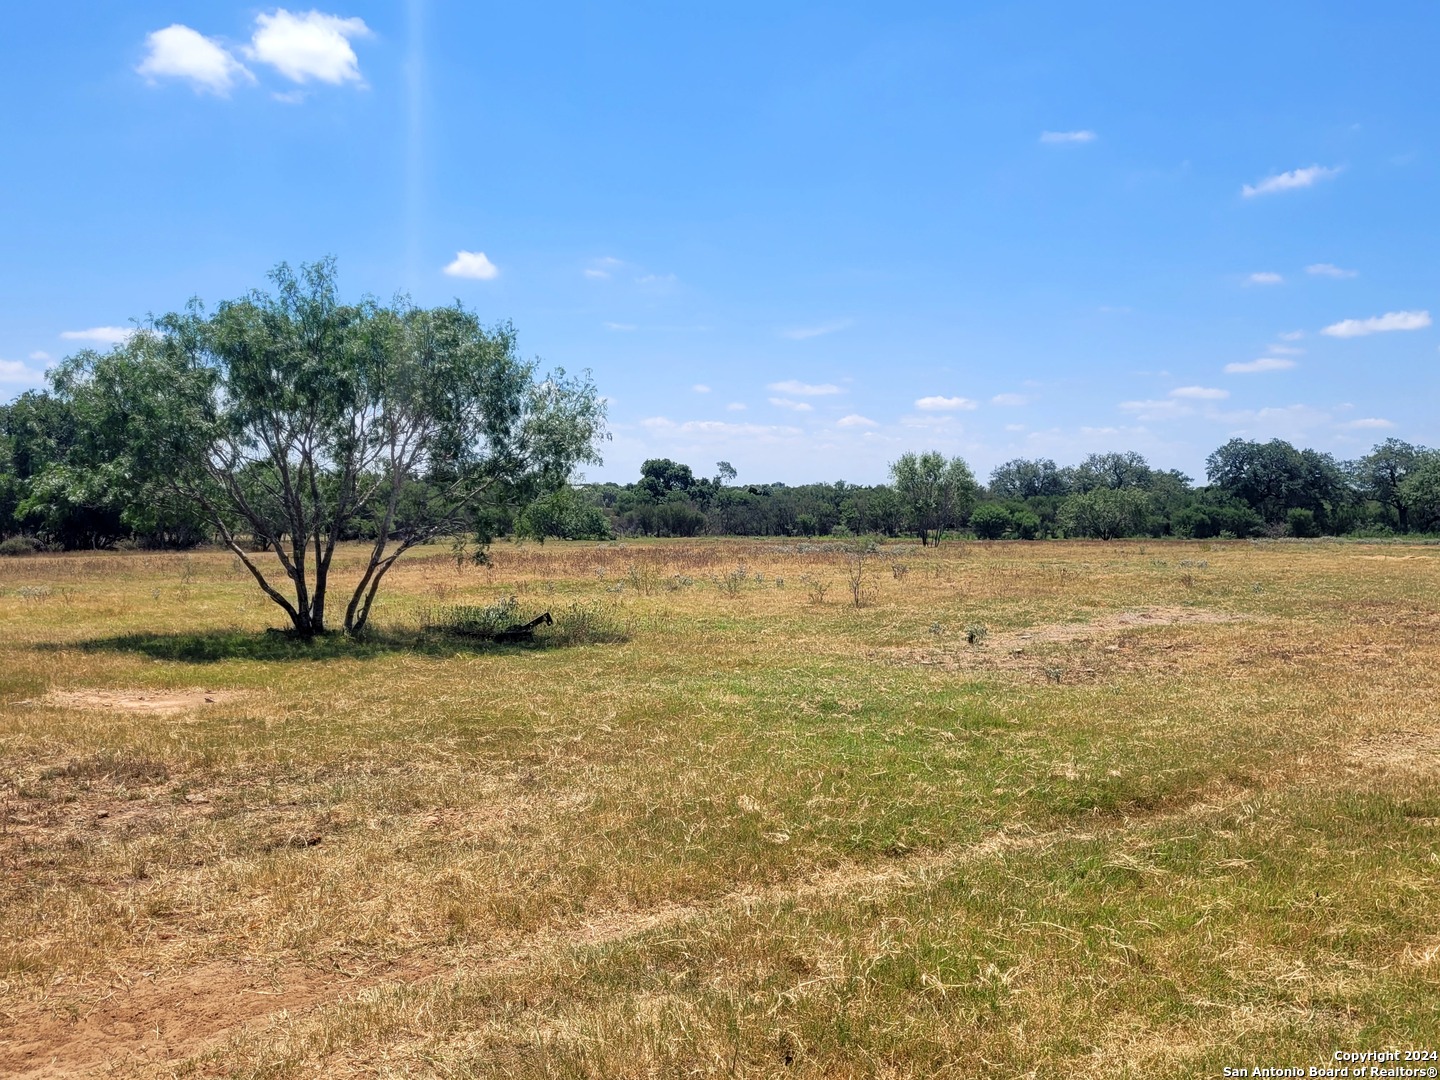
(990, 521)
(20, 545)
(586, 624)
(1302, 523)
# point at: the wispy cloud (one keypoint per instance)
(1265, 277)
(1291, 335)
(664, 425)
(179, 52)
(1011, 400)
(736, 406)
(700, 388)
(1289, 181)
(41, 356)
(473, 265)
(945, 404)
(1285, 350)
(1369, 423)
(1264, 363)
(855, 420)
(804, 333)
(1200, 393)
(794, 406)
(794, 386)
(1379, 324)
(1067, 138)
(1330, 270)
(13, 371)
(620, 327)
(1164, 409)
(308, 46)
(100, 335)
(600, 269)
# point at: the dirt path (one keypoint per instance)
(151, 1021)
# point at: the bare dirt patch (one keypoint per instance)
(1407, 751)
(153, 1020)
(1098, 646)
(137, 701)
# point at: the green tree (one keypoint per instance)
(1024, 479)
(990, 521)
(297, 421)
(934, 493)
(1274, 478)
(1105, 513)
(1382, 474)
(1421, 491)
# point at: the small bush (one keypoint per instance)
(20, 545)
(586, 624)
(1302, 523)
(471, 620)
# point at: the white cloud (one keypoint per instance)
(1368, 423)
(1265, 363)
(1165, 409)
(794, 386)
(1265, 277)
(1014, 427)
(600, 269)
(736, 406)
(1289, 181)
(1330, 270)
(1285, 350)
(308, 46)
(13, 371)
(41, 356)
(855, 420)
(796, 406)
(700, 388)
(474, 265)
(178, 52)
(621, 327)
(100, 335)
(1200, 393)
(1291, 335)
(1068, 138)
(1379, 324)
(1010, 399)
(945, 404)
(717, 427)
(804, 333)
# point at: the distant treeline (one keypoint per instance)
(1252, 489)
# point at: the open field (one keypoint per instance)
(1051, 809)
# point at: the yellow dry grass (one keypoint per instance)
(1030, 809)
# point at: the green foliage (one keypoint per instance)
(294, 421)
(1274, 478)
(1301, 522)
(934, 494)
(1105, 513)
(1420, 491)
(990, 521)
(565, 514)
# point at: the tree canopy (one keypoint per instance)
(293, 420)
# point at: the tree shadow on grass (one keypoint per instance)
(213, 646)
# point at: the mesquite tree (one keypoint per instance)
(295, 421)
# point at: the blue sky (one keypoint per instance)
(801, 237)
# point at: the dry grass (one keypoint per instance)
(1175, 808)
